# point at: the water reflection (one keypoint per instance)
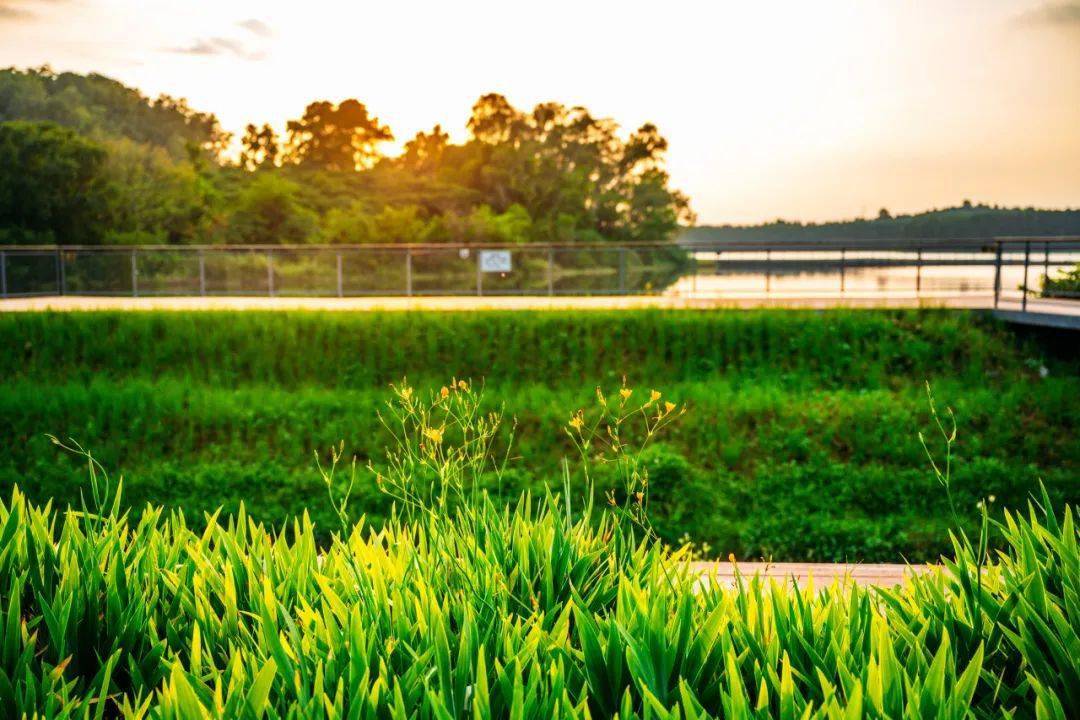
(864, 273)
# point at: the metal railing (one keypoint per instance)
(1001, 270)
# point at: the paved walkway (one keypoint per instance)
(607, 302)
(823, 574)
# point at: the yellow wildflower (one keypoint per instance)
(625, 393)
(576, 421)
(433, 434)
(462, 385)
(654, 396)
(668, 407)
(445, 392)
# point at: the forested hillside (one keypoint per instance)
(84, 159)
(87, 160)
(964, 221)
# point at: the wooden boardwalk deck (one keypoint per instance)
(865, 575)
(1058, 320)
(61, 303)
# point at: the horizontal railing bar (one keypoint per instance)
(826, 263)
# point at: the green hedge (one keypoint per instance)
(358, 350)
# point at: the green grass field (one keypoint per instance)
(799, 443)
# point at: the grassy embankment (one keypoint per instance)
(800, 440)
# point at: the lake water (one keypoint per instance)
(749, 274)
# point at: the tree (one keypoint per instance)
(573, 173)
(554, 173)
(423, 154)
(644, 150)
(403, 224)
(336, 137)
(99, 107)
(151, 197)
(351, 225)
(494, 120)
(259, 147)
(51, 188)
(268, 211)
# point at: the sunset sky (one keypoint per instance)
(801, 110)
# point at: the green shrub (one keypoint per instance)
(1066, 284)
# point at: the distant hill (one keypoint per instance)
(101, 108)
(966, 221)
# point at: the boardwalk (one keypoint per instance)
(466, 302)
(864, 575)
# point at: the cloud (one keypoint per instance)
(218, 46)
(21, 9)
(1061, 13)
(256, 26)
(248, 49)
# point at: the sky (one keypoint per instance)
(797, 110)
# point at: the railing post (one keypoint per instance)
(843, 270)
(479, 275)
(3, 274)
(551, 271)
(340, 277)
(270, 273)
(918, 272)
(61, 273)
(622, 271)
(134, 274)
(768, 272)
(997, 275)
(1046, 263)
(202, 272)
(1027, 259)
(408, 271)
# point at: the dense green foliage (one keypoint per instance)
(50, 183)
(799, 442)
(1065, 284)
(163, 173)
(494, 612)
(964, 221)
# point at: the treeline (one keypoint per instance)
(967, 220)
(85, 159)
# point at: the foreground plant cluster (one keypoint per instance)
(520, 613)
(461, 608)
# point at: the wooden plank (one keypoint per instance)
(1060, 320)
(862, 574)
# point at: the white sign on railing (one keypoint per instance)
(495, 261)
